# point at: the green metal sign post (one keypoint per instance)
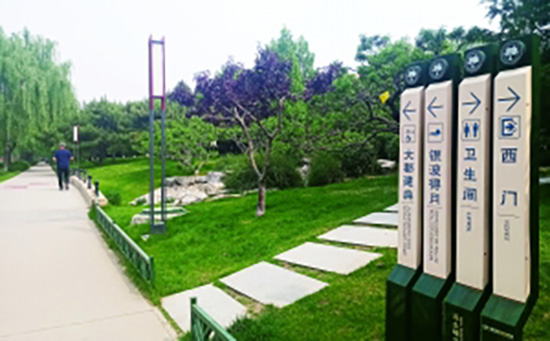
(515, 239)
(463, 304)
(468, 197)
(439, 199)
(409, 258)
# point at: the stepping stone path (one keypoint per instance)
(271, 284)
(379, 218)
(328, 258)
(392, 208)
(366, 236)
(223, 308)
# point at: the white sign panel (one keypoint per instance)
(438, 164)
(410, 177)
(511, 160)
(473, 164)
(75, 133)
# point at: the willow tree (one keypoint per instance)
(36, 97)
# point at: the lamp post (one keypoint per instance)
(154, 94)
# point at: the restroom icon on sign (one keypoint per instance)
(471, 130)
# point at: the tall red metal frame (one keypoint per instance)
(154, 227)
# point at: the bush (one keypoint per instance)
(114, 197)
(19, 166)
(241, 177)
(357, 162)
(326, 168)
(282, 173)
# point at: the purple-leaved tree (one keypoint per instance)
(182, 95)
(248, 98)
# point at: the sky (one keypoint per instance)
(106, 40)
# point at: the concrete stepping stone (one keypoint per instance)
(272, 284)
(223, 308)
(392, 208)
(379, 218)
(328, 258)
(362, 235)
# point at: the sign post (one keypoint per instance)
(515, 191)
(463, 304)
(439, 199)
(409, 256)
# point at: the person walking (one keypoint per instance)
(63, 158)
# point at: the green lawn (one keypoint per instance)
(129, 178)
(221, 237)
(7, 175)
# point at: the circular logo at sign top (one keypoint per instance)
(511, 52)
(438, 68)
(474, 61)
(412, 74)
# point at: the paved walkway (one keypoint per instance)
(58, 279)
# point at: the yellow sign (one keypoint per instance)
(384, 97)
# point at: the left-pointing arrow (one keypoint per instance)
(514, 99)
(407, 111)
(476, 102)
(433, 106)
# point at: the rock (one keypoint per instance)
(386, 164)
(215, 177)
(143, 218)
(184, 190)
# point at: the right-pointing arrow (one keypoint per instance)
(514, 99)
(475, 103)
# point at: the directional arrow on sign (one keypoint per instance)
(475, 103)
(514, 99)
(433, 106)
(407, 111)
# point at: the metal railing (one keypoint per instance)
(204, 328)
(134, 254)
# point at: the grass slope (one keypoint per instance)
(129, 177)
(218, 238)
(221, 237)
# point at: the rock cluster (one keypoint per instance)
(185, 190)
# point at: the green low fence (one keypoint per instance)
(204, 328)
(133, 253)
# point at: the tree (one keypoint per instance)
(105, 130)
(36, 96)
(528, 17)
(523, 17)
(190, 141)
(382, 64)
(249, 98)
(297, 53)
(182, 95)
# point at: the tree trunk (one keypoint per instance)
(260, 210)
(7, 157)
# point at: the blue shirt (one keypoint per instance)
(63, 158)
